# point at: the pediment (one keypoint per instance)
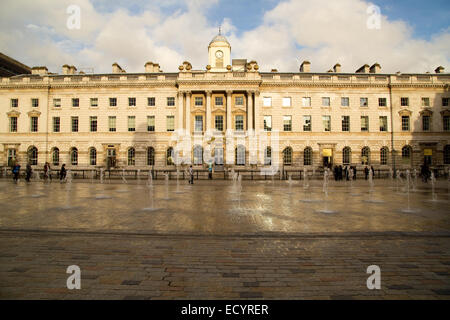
(445, 112)
(13, 113)
(405, 112)
(34, 113)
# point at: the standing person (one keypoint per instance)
(340, 173)
(373, 171)
(210, 171)
(366, 172)
(28, 171)
(16, 172)
(45, 172)
(336, 173)
(62, 172)
(49, 171)
(354, 172)
(191, 175)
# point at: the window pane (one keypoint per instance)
(170, 101)
(170, 123)
(405, 123)
(383, 123)
(112, 123)
(198, 123)
(93, 124)
(326, 123)
(267, 101)
(219, 123)
(151, 101)
(131, 123)
(345, 123)
(94, 102)
(364, 123)
(239, 122)
(239, 101)
(326, 102)
(287, 123)
(74, 124)
(364, 102)
(151, 123)
(306, 123)
(306, 101)
(382, 102)
(112, 102)
(345, 102)
(286, 102)
(267, 123)
(218, 101)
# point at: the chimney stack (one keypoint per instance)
(39, 70)
(72, 70)
(337, 68)
(364, 69)
(151, 67)
(65, 69)
(116, 68)
(305, 66)
(376, 68)
(439, 69)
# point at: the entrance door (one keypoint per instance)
(327, 156)
(111, 158)
(427, 160)
(327, 161)
(218, 156)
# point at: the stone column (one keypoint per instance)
(249, 110)
(208, 122)
(188, 112)
(229, 126)
(257, 113)
(180, 110)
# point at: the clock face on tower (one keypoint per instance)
(219, 54)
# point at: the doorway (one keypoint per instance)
(111, 158)
(218, 156)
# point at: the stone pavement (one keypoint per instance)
(131, 266)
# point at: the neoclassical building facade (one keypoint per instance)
(230, 114)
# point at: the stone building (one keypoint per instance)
(231, 113)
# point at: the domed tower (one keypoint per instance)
(219, 53)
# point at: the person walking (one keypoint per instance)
(45, 172)
(191, 175)
(210, 171)
(62, 172)
(28, 172)
(373, 171)
(366, 172)
(16, 172)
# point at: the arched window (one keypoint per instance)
(287, 156)
(240, 155)
(384, 152)
(33, 156)
(447, 154)
(74, 156)
(307, 156)
(93, 156)
(131, 157)
(346, 155)
(169, 156)
(406, 154)
(268, 156)
(150, 156)
(55, 156)
(365, 155)
(198, 155)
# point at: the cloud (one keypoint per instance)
(323, 32)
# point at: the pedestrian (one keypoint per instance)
(16, 172)
(210, 171)
(191, 175)
(340, 173)
(28, 172)
(373, 171)
(45, 172)
(62, 172)
(366, 172)
(336, 173)
(354, 172)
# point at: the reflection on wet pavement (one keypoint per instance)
(214, 207)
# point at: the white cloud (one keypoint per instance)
(323, 32)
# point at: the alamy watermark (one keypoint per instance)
(74, 18)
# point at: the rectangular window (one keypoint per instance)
(364, 102)
(325, 102)
(219, 123)
(383, 123)
(306, 123)
(286, 102)
(405, 123)
(267, 123)
(267, 101)
(326, 123)
(218, 101)
(131, 123)
(75, 102)
(94, 102)
(132, 102)
(345, 101)
(34, 124)
(404, 102)
(113, 102)
(239, 101)
(445, 102)
(151, 123)
(151, 101)
(346, 123)
(425, 102)
(35, 102)
(170, 101)
(198, 101)
(287, 123)
(112, 123)
(74, 124)
(93, 124)
(56, 124)
(13, 124)
(57, 103)
(306, 101)
(15, 103)
(198, 125)
(364, 123)
(446, 122)
(239, 123)
(170, 122)
(382, 102)
(426, 123)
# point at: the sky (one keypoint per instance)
(401, 35)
